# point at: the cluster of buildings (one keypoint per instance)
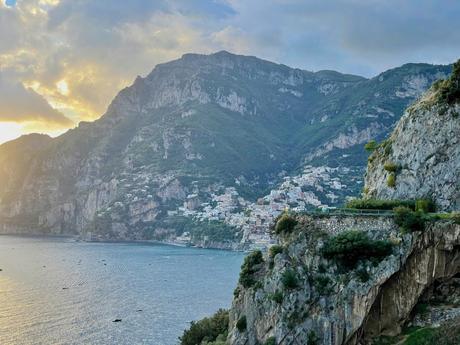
(316, 187)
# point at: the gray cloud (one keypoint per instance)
(354, 36)
(97, 47)
(18, 104)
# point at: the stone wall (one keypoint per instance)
(335, 224)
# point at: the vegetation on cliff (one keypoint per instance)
(352, 246)
(379, 204)
(449, 89)
(251, 265)
(210, 330)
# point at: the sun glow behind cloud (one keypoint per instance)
(9, 131)
(75, 55)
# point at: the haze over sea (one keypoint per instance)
(56, 291)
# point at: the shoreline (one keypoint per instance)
(78, 238)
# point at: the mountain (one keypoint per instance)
(364, 278)
(204, 145)
(421, 158)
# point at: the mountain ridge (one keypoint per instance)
(228, 129)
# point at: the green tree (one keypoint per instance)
(207, 329)
(351, 246)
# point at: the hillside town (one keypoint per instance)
(315, 188)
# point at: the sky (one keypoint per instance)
(63, 61)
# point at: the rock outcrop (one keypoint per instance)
(421, 158)
(337, 306)
(351, 279)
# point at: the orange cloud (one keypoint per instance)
(18, 104)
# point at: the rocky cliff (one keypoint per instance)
(301, 296)
(193, 145)
(359, 278)
(421, 158)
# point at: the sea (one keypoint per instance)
(57, 291)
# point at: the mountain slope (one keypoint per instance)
(203, 137)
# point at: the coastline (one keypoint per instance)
(79, 238)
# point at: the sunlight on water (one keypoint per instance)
(55, 291)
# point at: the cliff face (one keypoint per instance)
(349, 280)
(331, 305)
(197, 141)
(422, 155)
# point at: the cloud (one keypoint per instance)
(97, 47)
(21, 105)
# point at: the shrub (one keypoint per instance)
(220, 340)
(371, 146)
(455, 216)
(277, 297)
(425, 205)
(289, 279)
(363, 275)
(241, 323)
(390, 166)
(249, 267)
(352, 246)
(322, 268)
(409, 220)
(388, 149)
(276, 249)
(421, 308)
(322, 284)
(376, 204)
(391, 180)
(285, 224)
(424, 336)
(449, 90)
(270, 341)
(312, 338)
(207, 329)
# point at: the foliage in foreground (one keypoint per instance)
(352, 246)
(207, 330)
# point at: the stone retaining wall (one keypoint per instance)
(334, 224)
